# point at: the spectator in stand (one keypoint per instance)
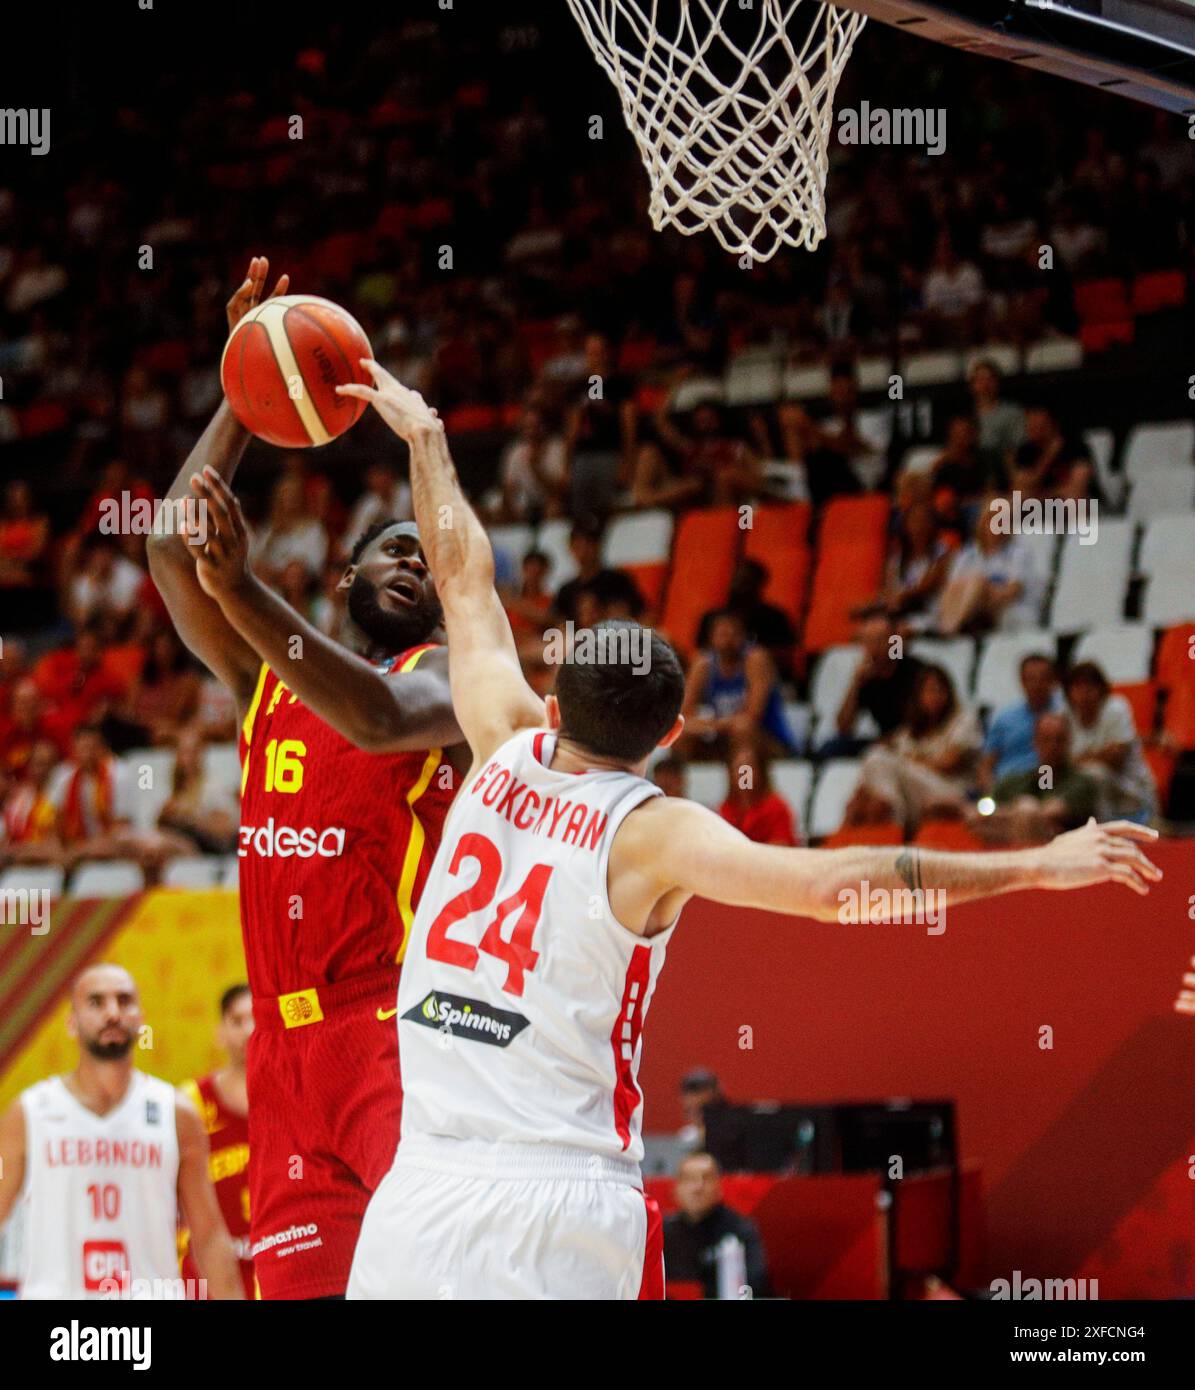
(1009, 748)
(78, 684)
(290, 533)
(925, 769)
(600, 432)
(615, 592)
(732, 695)
(993, 582)
(92, 794)
(717, 467)
(529, 607)
(216, 718)
(14, 668)
(917, 563)
(30, 818)
(881, 686)
(1050, 463)
(534, 472)
(1106, 746)
(24, 533)
(700, 1090)
(163, 698)
(752, 805)
(839, 459)
(669, 775)
(1037, 804)
(766, 625)
(960, 476)
(199, 810)
(386, 496)
(144, 415)
(1001, 423)
(107, 587)
(953, 295)
(707, 1243)
(24, 727)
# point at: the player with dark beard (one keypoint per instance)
(345, 784)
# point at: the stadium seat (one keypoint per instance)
(946, 834)
(752, 379)
(920, 458)
(1161, 491)
(873, 373)
(695, 391)
(707, 783)
(1170, 596)
(998, 674)
(106, 878)
(848, 575)
(703, 560)
(792, 778)
(776, 539)
(1112, 483)
(1162, 762)
(1178, 719)
(1006, 357)
(855, 518)
(230, 872)
(1102, 301)
(639, 543)
(34, 878)
(850, 836)
(957, 656)
(1142, 697)
(1054, 355)
(1158, 446)
(836, 782)
(786, 479)
(832, 678)
(510, 544)
(1168, 542)
(931, 368)
(151, 771)
(1092, 579)
(552, 539)
(875, 425)
(1175, 664)
(806, 383)
(1122, 652)
(222, 764)
(1158, 289)
(198, 873)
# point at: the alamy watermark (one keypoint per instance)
(26, 125)
(1050, 516)
(1019, 1288)
(868, 906)
(126, 515)
(23, 907)
(602, 646)
(868, 125)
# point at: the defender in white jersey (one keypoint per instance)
(541, 932)
(99, 1161)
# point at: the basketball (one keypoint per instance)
(282, 365)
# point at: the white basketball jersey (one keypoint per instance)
(522, 999)
(100, 1193)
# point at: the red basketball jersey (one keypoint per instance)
(228, 1165)
(335, 843)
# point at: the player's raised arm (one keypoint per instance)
(198, 619)
(491, 698)
(688, 848)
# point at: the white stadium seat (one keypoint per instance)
(1170, 597)
(34, 878)
(835, 784)
(799, 718)
(695, 391)
(792, 778)
(931, 368)
(872, 373)
(1161, 491)
(707, 783)
(806, 383)
(151, 775)
(998, 675)
(1158, 446)
(875, 425)
(752, 379)
(1123, 652)
(1168, 543)
(921, 458)
(832, 679)
(639, 538)
(222, 765)
(198, 873)
(1093, 579)
(956, 655)
(1005, 356)
(552, 539)
(1112, 485)
(510, 544)
(1054, 355)
(230, 871)
(786, 480)
(106, 878)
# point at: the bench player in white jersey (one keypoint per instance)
(102, 1159)
(542, 930)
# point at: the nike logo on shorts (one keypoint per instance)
(384, 1014)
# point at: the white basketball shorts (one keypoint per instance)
(469, 1219)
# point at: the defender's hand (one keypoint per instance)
(220, 538)
(250, 293)
(1098, 854)
(404, 410)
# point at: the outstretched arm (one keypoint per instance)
(197, 617)
(690, 849)
(489, 694)
(381, 713)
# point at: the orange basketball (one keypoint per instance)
(281, 367)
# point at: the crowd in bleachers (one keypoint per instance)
(672, 437)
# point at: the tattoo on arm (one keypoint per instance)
(908, 866)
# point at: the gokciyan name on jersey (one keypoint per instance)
(571, 822)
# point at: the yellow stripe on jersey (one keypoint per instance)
(418, 836)
(250, 717)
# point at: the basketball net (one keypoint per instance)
(734, 135)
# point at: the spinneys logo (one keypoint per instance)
(458, 1017)
(430, 1008)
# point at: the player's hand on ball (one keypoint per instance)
(1094, 853)
(249, 295)
(404, 410)
(220, 537)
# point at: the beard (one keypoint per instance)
(392, 631)
(109, 1051)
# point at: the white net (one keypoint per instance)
(733, 131)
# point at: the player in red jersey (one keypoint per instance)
(345, 785)
(222, 1100)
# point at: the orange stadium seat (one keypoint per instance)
(1159, 289)
(848, 836)
(467, 418)
(1102, 301)
(1175, 663)
(946, 834)
(1143, 701)
(1179, 718)
(856, 518)
(1161, 763)
(777, 540)
(848, 575)
(703, 559)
